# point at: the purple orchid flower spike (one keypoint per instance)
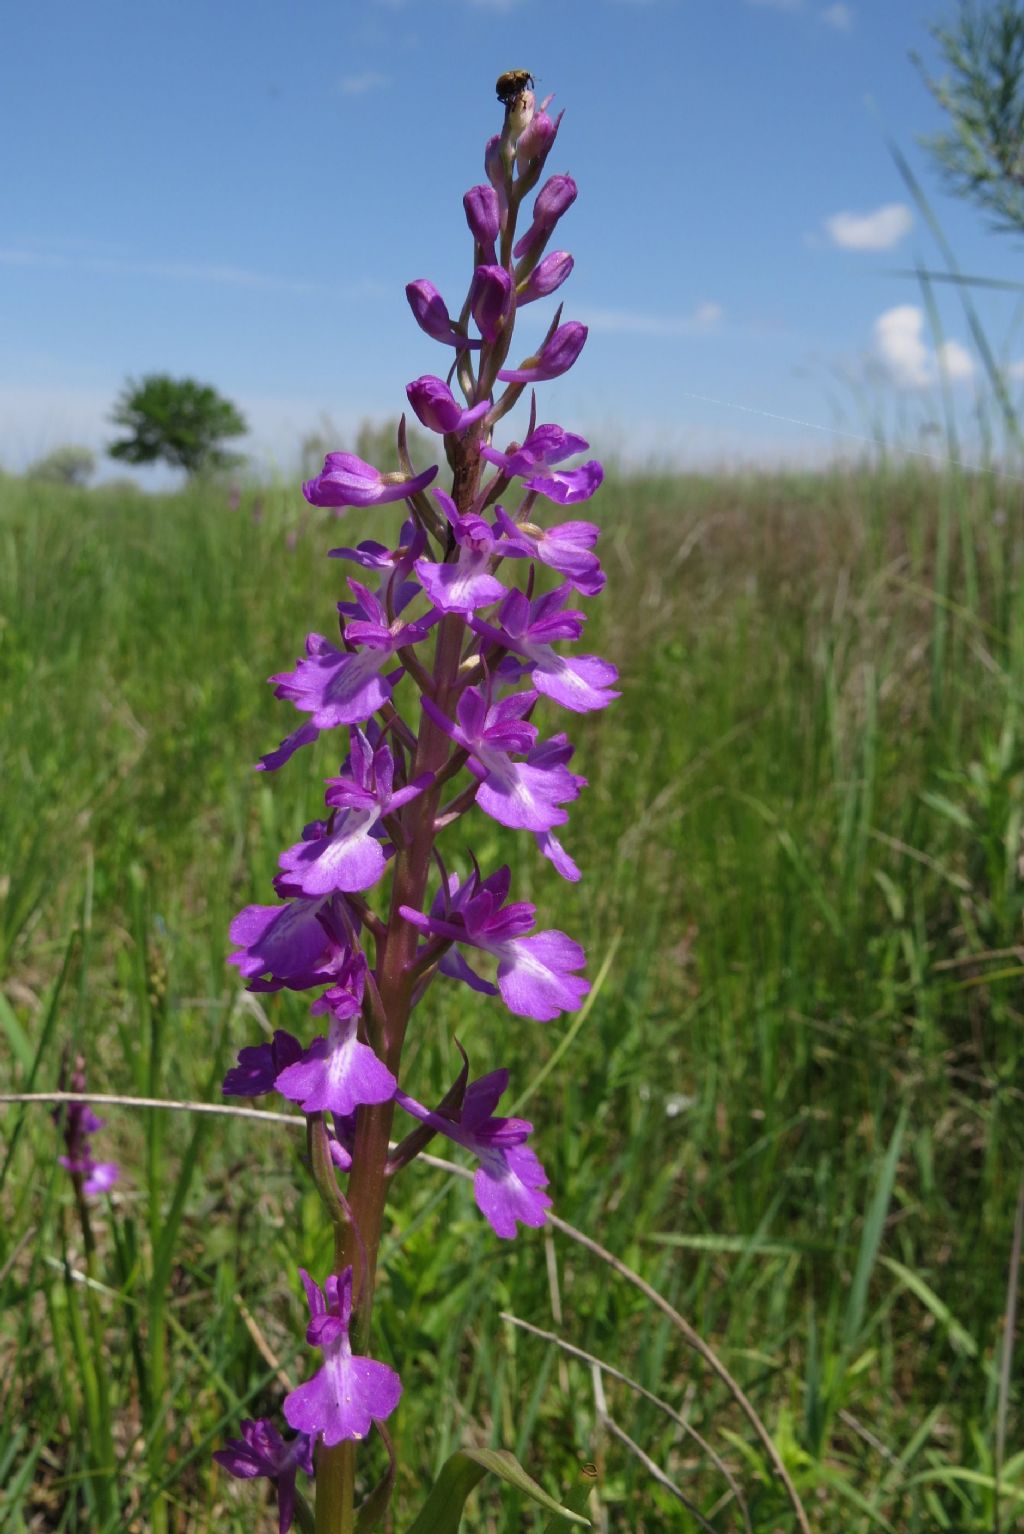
(437, 408)
(510, 1181)
(545, 446)
(535, 972)
(581, 683)
(78, 1123)
(261, 1451)
(555, 357)
(567, 548)
(338, 1073)
(346, 480)
(347, 1393)
(524, 795)
(468, 584)
(431, 315)
(434, 679)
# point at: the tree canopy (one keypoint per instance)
(176, 420)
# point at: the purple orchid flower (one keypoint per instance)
(78, 1123)
(546, 278)
(536, 140)
(490, 300)
(338, 1073)
(346, 480)
(281, 940)
(555, 357)
(524, 795)
(339, 854)
(535, 972)
(581, 683)
(259, 1066)
(509, 1183)
(483, 215)
(567, 548)
(438, 409)
(346, 687)
(347, 1393)
(547, 445)
(431, 315)
(345, 853)
(305, 735)
(261, 1451)
(389, 563)
(305, 943)
(468, 584)
(555, 197)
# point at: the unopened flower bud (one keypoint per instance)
(490, 299)
(555, 357)
(483, 215)
(535, 141)
(431, 314)
(438, 409)
(556, 195)
(546, 277)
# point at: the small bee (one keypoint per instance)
(512, 83)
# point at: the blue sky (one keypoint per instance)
(239, 190)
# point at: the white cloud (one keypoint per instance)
(900, 346)
(358, 85)
(879, 230)
(903, 352)
(839, 16)
(955, 361)
(632, 322)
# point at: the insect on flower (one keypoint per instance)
(510, 84)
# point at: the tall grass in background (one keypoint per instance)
(795, 1100)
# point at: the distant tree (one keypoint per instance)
(67, 465)
(182, 422)
(982, 154)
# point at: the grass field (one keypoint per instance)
(794, 1105)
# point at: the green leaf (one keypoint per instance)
(958, 1334)
(871, 1238)
(17, 1038)
(443, 1509)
